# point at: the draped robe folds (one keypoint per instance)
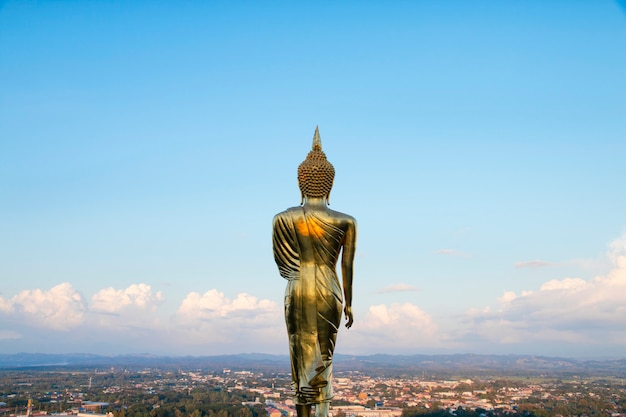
(306, 249)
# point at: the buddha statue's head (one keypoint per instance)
(315, 173)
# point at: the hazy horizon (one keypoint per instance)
(339, 356)
(146, 146)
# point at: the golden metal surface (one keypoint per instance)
(307, 242)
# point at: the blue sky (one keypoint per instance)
(145, 147)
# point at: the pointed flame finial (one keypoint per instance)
(317, 142)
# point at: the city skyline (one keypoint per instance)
(145, 148)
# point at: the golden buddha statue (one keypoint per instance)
(307, 241)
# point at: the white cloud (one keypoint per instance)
(569, 310)
(507, 297)
(393, 328)
(536, 263)
(213, 304)
(244, 324)
(564, 284)
(131, 313)
(397, 288)
(452, 252)
(6, 306)
(110, 300)
(405, 315)
(59, 308)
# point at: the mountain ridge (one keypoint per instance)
(444, 364)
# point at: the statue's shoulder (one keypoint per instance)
(343, 217)
(288, 213)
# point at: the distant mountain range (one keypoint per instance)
(391, 365)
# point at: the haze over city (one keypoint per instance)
(145, 147)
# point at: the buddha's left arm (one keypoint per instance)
(347, 261)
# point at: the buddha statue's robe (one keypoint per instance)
(306, 248)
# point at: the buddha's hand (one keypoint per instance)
(348, 311)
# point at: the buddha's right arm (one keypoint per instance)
(284, 243)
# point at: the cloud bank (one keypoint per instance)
(563, 313)
(566, 316)
(128, 320)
